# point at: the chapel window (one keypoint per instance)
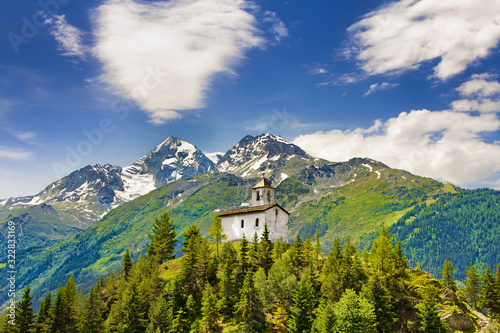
(257, 222)
(242, 223)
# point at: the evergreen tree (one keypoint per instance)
(249, 309)
(282, 281)
(190, 262)
(301, 314)
(59, 313)
(430, 322)
(317, 249)
(160, 316)
(382, 301)
(265, 248)
(93, 311)
(72, 301)
(279, 318)
(354, 314)
(325, 318)
(134, 319)
(448, 279)
(163, 239)
(297, 254)
(43, 317)
(216, 232)
(400, 261)
(381, 258)
(254, 251)
(243, 257)
(209, 322)
(490, 294)
(126, 265)
(472, 288)
(278, 249)
(24, 312)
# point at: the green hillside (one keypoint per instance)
(337, 199)
(263, 287)
(465, 227)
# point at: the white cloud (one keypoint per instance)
(68, 37)
(404, 34)
(164, 54)
(15, 154)
(483, 93)
(445, 145)
(480, 85)
(378, 87)
(278, 27)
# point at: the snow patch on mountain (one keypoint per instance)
(368, 166)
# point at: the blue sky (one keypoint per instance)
(413, 84)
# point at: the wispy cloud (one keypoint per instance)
(402, 35)
(15, 153)
(278, 28)
(379, 86)
(163, 55)
(68, 37)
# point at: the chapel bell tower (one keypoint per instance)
(263, 193)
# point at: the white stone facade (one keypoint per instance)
(250, 220)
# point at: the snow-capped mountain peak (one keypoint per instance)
(254, 155)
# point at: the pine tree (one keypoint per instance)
(382, 301)
(448, 279)
(59, 313)
(278, 249)
(400, 261)
(72, 300)
(24, 312)
(190, 262)
(490, 294)
(43, 317)
(243, 257)
(317, 249)
(354, 314)
(216, 232)
(249, 309)
(430, 322)
(301, 314)
(472, 288)
(209, 315)
(134, 313)
(93, 311)
(325, 318)
(265, 248)
(160, 316)
(163, 239)
(279, 318)
(381, 257)
(126, 265)
(297, 254)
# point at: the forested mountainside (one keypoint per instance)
(464, 227)
(265, 287)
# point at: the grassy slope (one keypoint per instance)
(313, 196)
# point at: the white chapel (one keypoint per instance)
(250, 220)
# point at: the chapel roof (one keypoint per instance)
(249, 210)
(263, 184)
